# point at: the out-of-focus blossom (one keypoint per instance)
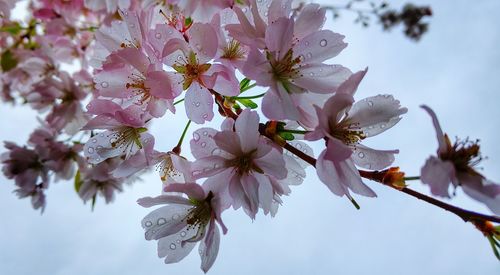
(455, 164)
(98, 179)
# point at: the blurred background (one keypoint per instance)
(454, 68)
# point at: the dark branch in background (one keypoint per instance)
(410, 16)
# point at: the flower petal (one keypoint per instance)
(199, 104)
(208, 251)
(437, 126)
(319, 46)
(371, 158)
(164, 221)
(322, 78)
(438, 175)
(247, 128)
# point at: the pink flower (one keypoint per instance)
(291, 64)
(203, 10)
(183, 222)
(195, 74)
(454, 164)
(124, 135)
(97, 179)
(129, 75)
(344, 125)
(110, 6)
(240, 164)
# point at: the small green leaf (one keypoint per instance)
(8, 61)
(188, 21)
(286, 136)
(13, 28)
(78, 182)
(248, 103)
(244, 83)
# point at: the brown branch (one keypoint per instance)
(268, 131)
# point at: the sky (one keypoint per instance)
(454, 69)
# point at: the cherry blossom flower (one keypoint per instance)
(241, 165)
(344, 124)
(195, 74)
(455, 164)
(183, 222)
(129, 75)
(292, 65)
(98, 179)
(110, 6)
(124, 135)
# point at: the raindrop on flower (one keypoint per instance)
(91, 150)
(161, 221)
(361, 154)
(158, 35)
(323, 43)
(173, 246)
(148, 224)
(104, 84)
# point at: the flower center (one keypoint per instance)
(166, 168)
(190, 69)
(464, 154)
(285, 69)
(348, 133)
(138, 88)
(244, 164)
(125, 138)
(233, 51)
(201, 213)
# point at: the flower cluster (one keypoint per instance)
(139, 59)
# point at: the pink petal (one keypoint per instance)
(199, 104)
(319, 46)
(437, 126)
(373, 159)
(279, 36)
(310, 19)
(203, 38)
(247, 128)
(208, 251)
(192, 190)
(438, 174)
(278, 105)
(322, 78)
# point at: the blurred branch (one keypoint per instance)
(410, 16)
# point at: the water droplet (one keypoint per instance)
(196, 136)
(244, 10)
(361, 154)
(203, 144)
(104, 84)
(311, 74)
(91, 150)
(148, 224)
(323, 42)
(173, 246)
(205, 133)
(183, 233)
(205, 116)
(158, 35)
(197, 104)
(383, 126)
(175, 216)
(266, 13)
(161, 221)
(94, 140)
(307, 43)
(370, 103)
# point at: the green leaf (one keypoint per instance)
(8, 61)
(286, 136)
(78, 182)
(13, 28)
(188, 21)
(494, 247)
(244, 83)
(248, 103)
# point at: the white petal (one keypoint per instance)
(208, 252)
(165, 221)
(174, 247)
(438, 175)
(371, 158)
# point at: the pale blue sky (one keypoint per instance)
(454, 69)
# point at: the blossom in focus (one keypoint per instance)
(344, 124)
(455, 164)
(125, 131)
(240, 165)
(183, 222)
(292, 63)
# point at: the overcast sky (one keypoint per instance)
(454, 69)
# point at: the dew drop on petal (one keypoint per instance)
(370, 103)
(158, 35)
(383, 126)
(196, 136)
(175, 217)
(161, 221)
(205, 133)
(361, 154)
(323, 43)
(197, 104)
(148, 224)
(173, 246)
(104, 84)
(183, 233)
(307, 43)
(94, 140)
(205, 116)
(203, 144)
(91, 150)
